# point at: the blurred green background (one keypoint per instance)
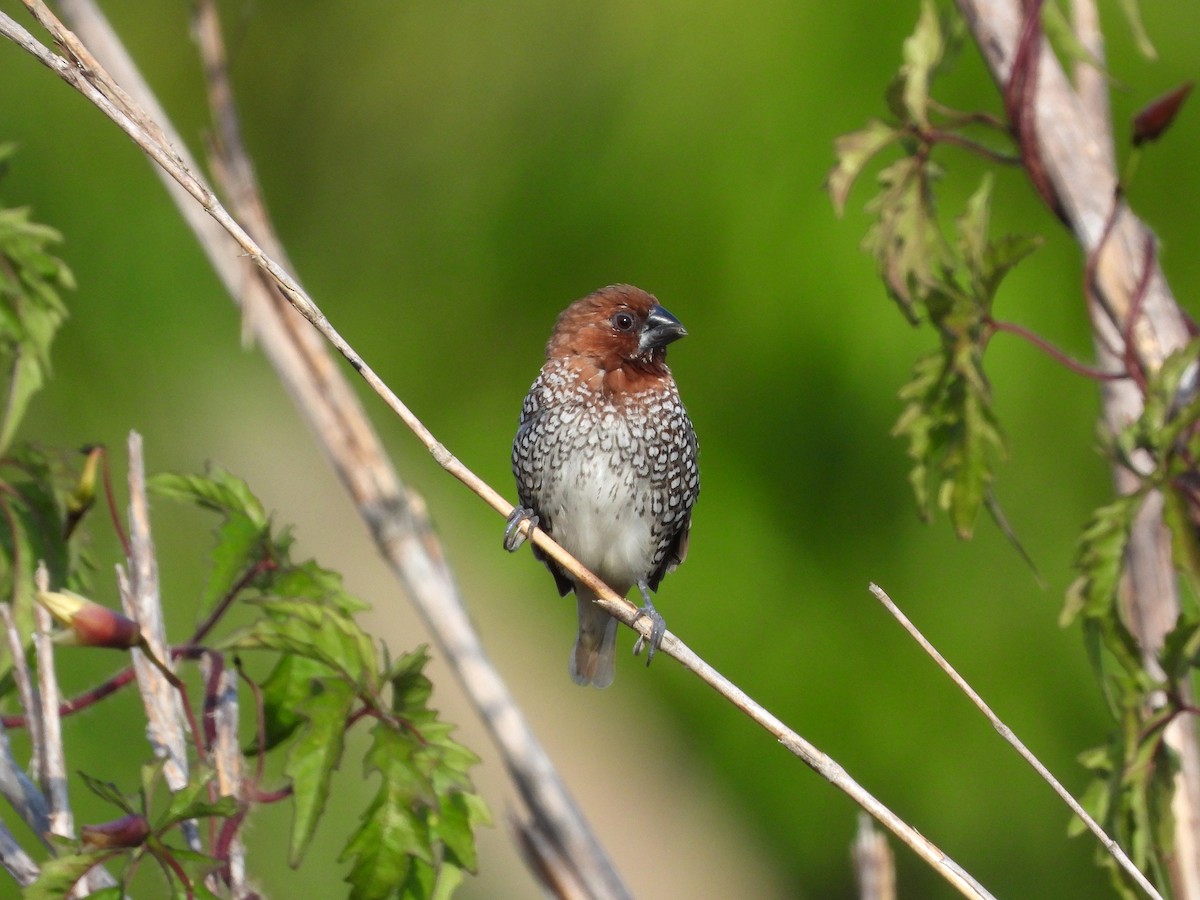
(448, 176)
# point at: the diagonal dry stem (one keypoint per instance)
(1015, 742)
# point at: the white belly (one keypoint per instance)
(598, 516)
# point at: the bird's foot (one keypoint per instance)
(658, 627)
(514, 537)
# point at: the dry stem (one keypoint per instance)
(1015, 742)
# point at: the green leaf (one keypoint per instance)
(986, 260)
(953, 437)
(1133, 15)
(316, 632)
(309, 581)
(453, 825)
(1100, 560)
(853, 152)
(31, 310)
(109, 792)
(923, 51)
(217, 490)
(906, 241)
(419, 829)
(1062, 37)
(292, 681)
(315, 754)
(31, 528)
(60, 874)
(187, 805)
(391, 835)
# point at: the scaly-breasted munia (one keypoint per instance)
(605, 460)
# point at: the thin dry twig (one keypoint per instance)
(165, 726)
(226, 752)
(409, 551)
(1015, 742)
(21, 793)
(28, 697)
(16, 861)
(51, 763)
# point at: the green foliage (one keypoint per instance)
(416, 837)
(142, 830)
(430, 779)
(418, 830)
(31, 309)
(1132, 775)
(948, 281)
(32, 489)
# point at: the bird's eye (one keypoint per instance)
(622, 321)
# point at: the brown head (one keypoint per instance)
(621, 332)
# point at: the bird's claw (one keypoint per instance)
(658, 627)
(514, 537)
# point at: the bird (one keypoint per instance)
(605, 459)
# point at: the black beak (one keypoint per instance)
(659, 329)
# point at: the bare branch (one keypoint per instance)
(1015, 742)
(51, 762)
(140, 598)
(15, 785)
(20, 792)
(227, 758)
(16, 861)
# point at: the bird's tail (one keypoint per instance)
(593, 659)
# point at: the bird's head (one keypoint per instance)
(617, 327)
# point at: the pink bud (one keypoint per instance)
(90, 624)
(127, 831)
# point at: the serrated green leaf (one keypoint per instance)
(454, 827)
(906, 241)
(31, 310)
(31, 521)
(1179, 515)
(108, 792)
(316, 632)
(191, 801)
(217, 490)
(391, 835)
(60, 874)
(241, 544)
(1180, 651)
(292, 681)
(922, 53)
(310, 581)
(315, 754)
(1100, 559)
(852, 153)
(953, 437)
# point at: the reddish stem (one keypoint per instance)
(202, 631)
(110, 498)
(1058, 355)
(1132, 364)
